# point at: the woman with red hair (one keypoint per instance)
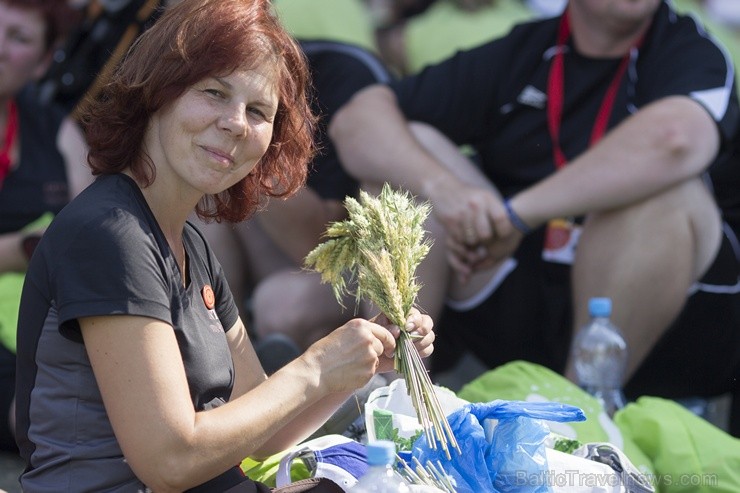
(134, 368)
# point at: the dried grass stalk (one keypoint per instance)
(380, 246)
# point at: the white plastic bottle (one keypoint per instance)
(381, 477)
(600, 356)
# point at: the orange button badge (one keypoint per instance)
(209, 297)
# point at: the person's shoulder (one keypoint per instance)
(106, 192)
(519, 50)
(670, 19)
(524, 39)
(329, 56)
(682, 32)
(47, 116)
(535, 31)
(314, 48)
(107, 212)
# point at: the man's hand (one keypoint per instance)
(469, 214)
(479, 231)
(467, 259)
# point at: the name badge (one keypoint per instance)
(561, 239)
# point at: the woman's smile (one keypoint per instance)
(222, 157)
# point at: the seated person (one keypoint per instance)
(609, 127)
(41, 163)
(135, 372)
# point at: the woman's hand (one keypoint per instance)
(349, 356)
(418, 325)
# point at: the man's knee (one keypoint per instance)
(276, 306)
(297, 305)
(685, 214)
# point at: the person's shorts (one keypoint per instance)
(529, 317)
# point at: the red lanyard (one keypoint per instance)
(11, 131)
(556, 91)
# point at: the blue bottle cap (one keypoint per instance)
(381, 452)
(600, 307)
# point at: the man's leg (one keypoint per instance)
(645, 257)
(295, 304)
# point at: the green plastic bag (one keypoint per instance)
(524, 381)
(265, 471)
(688, 453)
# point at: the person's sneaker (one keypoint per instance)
(275, 351)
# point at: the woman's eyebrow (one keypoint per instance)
(223, 82)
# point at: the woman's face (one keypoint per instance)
(22, 52)
(215, 133)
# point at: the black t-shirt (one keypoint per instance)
(104, 255)
(493, 97)
(338, 71)
(38, 184)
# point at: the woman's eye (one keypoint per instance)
(256, 111)
(214, 92)
(20, 37)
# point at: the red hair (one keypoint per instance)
(195, 39)
(58, 17)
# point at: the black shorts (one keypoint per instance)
(529, 317)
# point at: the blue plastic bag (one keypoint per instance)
(513, 460)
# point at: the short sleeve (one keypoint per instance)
(113, 266)
(690, 63)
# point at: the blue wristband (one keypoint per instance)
(516, 221)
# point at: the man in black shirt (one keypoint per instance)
(604, 128)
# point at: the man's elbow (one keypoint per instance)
(688, 136)
(351, 118)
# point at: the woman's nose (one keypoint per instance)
(234, 120)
